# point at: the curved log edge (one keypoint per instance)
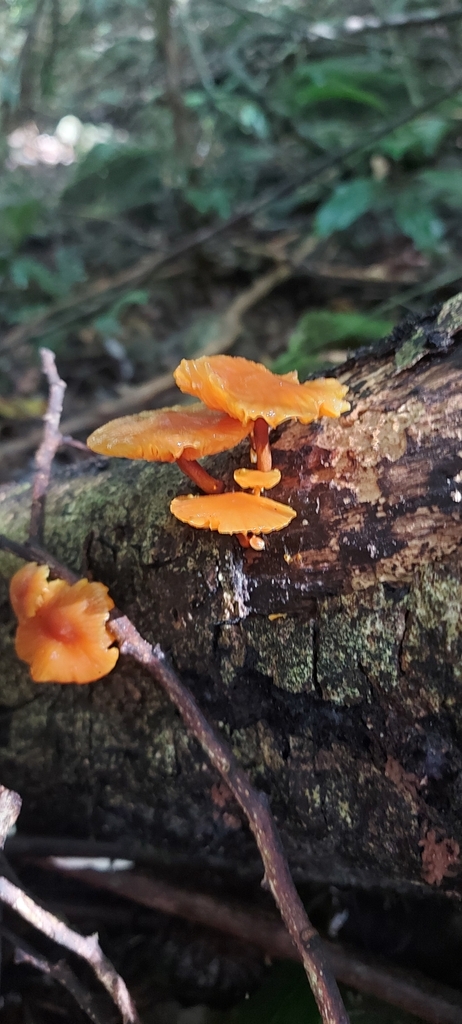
(332, 660)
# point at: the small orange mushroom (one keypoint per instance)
(62, 632)
(256, 479)
(180, 434)
(232, 513)
(251, 393)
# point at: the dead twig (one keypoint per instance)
(59, 971)
(433, 1003)
(85, 946)
(50, 443)
(253, 803)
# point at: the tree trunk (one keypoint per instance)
(331, 660)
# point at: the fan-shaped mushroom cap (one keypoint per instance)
(165, 435)
(248, 478)
(233, 512)
(249, 391)
(64, 638)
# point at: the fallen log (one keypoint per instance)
(331, 660)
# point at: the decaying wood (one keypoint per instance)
(332, 660)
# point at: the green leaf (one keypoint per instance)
(348, 202)
(215, 199)
(444, 185)
(318, 330)
(109, 323)
(418, 220)
(18, 220)
(421, 137)
(247, 113)
(338, 90)
(25, 270)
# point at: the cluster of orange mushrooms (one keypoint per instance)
(62, 631)
(237, 398)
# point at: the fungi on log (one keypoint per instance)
(332, 660)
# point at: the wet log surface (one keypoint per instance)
(332, 660)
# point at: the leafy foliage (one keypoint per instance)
(319, 330)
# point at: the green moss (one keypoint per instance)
(359, 640)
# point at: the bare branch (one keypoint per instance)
(60, 972)
(85, 946)
(49, 445)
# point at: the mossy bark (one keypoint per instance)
(332, 660)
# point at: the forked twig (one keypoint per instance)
(85, 946)
(59, 971)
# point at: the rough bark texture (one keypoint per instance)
(332, 660)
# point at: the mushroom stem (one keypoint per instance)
(196, 472)
(262, 445)
(251, 541)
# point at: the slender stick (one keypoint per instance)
(86, 946)
(196, 472)
(49, 445)
(59, 971)
(262, 445)
(253, 803)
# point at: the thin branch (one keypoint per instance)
(85, 946)
(60, 972)
(409, 992)
(50, 443)
(254, 804)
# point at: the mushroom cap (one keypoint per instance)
(233, 512)
(64, 638)
(247, 478)
(165, 435)
(249, 391)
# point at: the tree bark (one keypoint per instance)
(332, 660)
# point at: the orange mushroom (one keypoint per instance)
(251, 393)
(62, 632)
(256, 480)
(233, 513)
(180, 434)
